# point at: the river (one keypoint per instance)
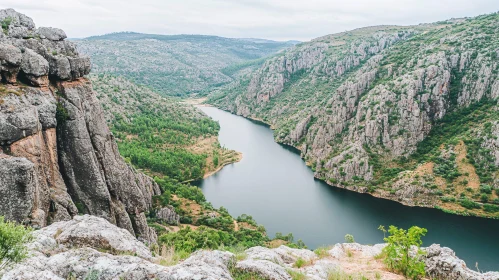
(273, 184)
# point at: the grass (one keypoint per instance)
(239, 251)
(322, 252)
(296, 275)
(299, 263)
(169, 256)
(337, 274)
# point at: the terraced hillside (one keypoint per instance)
(177, 65)
(405, 113)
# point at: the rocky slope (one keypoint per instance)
(177, 65)
(405, 113)
(89, 247)
(58, 157)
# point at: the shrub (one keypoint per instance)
(468, 204)
(300, 263)
(349, 238)
(486, 189)
(13, 239)
(398, 248)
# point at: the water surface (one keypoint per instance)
(274, 185)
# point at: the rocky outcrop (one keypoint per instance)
(89, 246)
(168, 215)
(59, 156)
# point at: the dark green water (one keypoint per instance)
(275, 186)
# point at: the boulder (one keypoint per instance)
(89, 231)
(10, 61)
(35, 68)
(53, 34)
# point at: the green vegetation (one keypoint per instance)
(397, 252)
(179, 65)
(189, 240)
(349, 238)
(5, 24)
(13, 240)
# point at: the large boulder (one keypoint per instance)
(89, 231)
(53, 34)
(35, 68)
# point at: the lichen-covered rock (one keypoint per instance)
(35, 68)
(53, 34)
(264, 268)
(89, 231)
(168, 215)
(18, 187)
(442, 263)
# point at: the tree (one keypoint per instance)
(13, 239)
(403, 252)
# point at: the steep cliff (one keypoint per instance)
(58, 157)
(405, 113)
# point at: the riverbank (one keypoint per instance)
(412, 197)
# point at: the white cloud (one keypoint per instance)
(270, 19)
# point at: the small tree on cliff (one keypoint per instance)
(13, 239)
(403, 252)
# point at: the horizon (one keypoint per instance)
(275, 20)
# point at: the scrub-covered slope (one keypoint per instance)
(405, 113)
(178, 65)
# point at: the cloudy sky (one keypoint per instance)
(270, 19)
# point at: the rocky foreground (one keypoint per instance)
(90, 247)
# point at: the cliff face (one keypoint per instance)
(406, 113)
(58, 157)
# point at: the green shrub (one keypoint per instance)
(13, 240)
(469, 204)
(486, 189)
(397, 255)
(349, 238)
(299, 263)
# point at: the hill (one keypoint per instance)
(176, 65)
(405, 113)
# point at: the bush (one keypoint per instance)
(398, 248)
(468, 204)
(486, 189)
(349, 238)
(13, 239)
(300, 263)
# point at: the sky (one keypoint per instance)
(268, 19)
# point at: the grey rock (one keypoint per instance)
(89, 231)
(442, 263)
(10, 61)
(18, 187)
(35, 68)
(54, 34)
(168, 215)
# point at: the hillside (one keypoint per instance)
(176, 65)
(160, 134)
(404, 113)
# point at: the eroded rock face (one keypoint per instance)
(56, 148)
(168, 215)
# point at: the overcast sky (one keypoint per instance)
(270, 19)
